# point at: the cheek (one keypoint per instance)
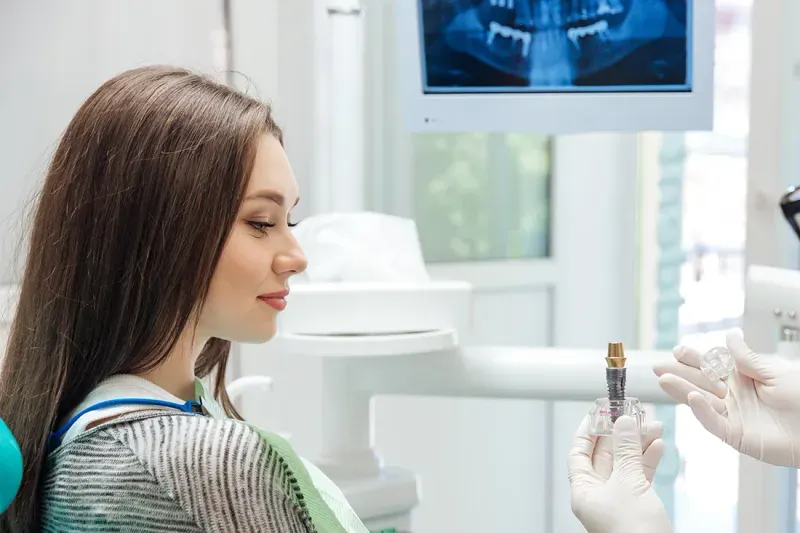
(232, 310)
(244, 267)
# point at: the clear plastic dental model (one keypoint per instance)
(717, 364)
(606, 411)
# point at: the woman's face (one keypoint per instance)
(250, 284)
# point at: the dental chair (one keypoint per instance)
(10, 467)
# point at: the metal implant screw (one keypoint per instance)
(606, 411)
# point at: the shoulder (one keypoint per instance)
(100, 476)
(220, 471)
(190, 444)
(156, 440)
(180, 433)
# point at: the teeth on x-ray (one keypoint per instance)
(587, 9)
(555, 42)
(508, 4)
(608, 8)
(495, 29)
(598, 28)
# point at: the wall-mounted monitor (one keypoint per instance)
(556, 66)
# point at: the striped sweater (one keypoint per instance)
(156, 472)
(163, 470)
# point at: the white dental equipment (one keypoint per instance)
(353, 368)
(773, 299)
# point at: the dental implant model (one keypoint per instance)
(717, 364)
(606, 411)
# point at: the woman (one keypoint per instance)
(161, 234)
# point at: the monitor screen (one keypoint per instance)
(555, 46)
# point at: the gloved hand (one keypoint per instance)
(622, 501)
(756, 411)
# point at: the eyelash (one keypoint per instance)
(263, 226)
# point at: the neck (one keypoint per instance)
(176, 374)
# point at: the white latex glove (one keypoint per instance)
(603, 453)
(624, 501)
(756, 411)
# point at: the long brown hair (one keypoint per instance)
(135, 210)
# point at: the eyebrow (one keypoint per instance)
(272, 196)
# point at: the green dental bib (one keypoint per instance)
(326, 507)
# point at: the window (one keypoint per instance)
(479, 196)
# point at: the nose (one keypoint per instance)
(291, 261)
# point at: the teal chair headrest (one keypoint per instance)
(10, 467)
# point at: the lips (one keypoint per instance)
(276, 300)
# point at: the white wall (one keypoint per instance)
(275, 44)
(54, 54)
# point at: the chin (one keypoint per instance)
(258, 336)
